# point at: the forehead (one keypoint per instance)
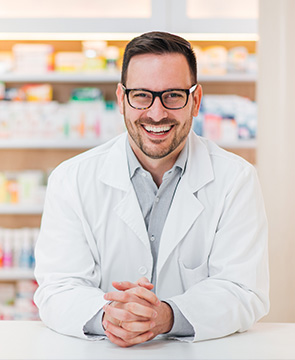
(158, 72)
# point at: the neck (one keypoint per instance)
(156, 167)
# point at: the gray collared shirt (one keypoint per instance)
(155, 204)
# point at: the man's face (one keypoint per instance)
(158, 132)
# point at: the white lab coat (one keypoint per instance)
(213, 251)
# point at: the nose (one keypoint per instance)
(157, 111)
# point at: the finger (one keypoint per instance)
(141, 310)
(137, 340)
(145, 283)
(138, 326)
(126, 285)
(146, 295)
(128, 330)
(119, 331)
(123, 285)
(130, 338)
(142, 280)
(126, 296)
(115, 340)
(120, 314)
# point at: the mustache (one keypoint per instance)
(151, 122)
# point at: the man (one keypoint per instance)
(171, 221)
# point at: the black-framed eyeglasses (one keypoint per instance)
(172, 99)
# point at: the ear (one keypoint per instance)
(197, 96)
(120, 98)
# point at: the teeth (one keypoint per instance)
(159, 129)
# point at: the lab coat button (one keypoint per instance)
(142, 270)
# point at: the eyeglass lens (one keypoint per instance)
(171, 99)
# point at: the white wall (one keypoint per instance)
(276, 148)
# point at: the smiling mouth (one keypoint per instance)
(158, 130)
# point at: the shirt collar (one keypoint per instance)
(134, 164)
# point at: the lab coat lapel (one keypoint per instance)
(186, 208)
(115, 173)
(129, 211)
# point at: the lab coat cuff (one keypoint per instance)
(181, 326)
(94, 325)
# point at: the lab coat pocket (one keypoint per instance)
(191, 277)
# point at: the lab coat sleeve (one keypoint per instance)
(67, 262)
(235, 294)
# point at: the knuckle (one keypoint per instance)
(133, 341)
(127, 326)
(139, 291)
(130, 307)
(125, 316)
(124, 296)
(128, 337)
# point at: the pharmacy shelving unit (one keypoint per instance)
(18, 154)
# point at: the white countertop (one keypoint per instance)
(32, 340)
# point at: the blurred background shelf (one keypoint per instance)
(50, 143)
(19, 209)
(55, 77)
(10, 274)
(110, 77)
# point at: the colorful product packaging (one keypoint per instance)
(33, 58)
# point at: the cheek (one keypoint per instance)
(129, 117)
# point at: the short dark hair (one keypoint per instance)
(158, 42)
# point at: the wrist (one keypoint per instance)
(168, 317)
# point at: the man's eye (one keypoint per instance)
(175, 95)
(140, 95)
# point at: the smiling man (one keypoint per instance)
(158, 231)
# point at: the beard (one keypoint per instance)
(158, 148)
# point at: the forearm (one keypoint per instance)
(217, 308)
(68, 310)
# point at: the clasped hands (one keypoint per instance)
(135, 314)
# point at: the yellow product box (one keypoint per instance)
(69, 61)
(36, 92)
(238, 59)
(2, 188)
(94, 55)
(215, 60)
(6, 61)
